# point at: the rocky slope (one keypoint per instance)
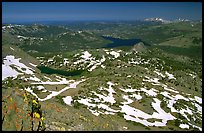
(108, 89)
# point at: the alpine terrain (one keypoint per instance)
(88, 76)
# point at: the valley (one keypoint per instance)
(133, 76)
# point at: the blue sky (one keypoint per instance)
(62, 11)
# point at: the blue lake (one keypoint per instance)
(116, 42)
(48, 70)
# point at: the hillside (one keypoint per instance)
(77, 85)
(41, 38)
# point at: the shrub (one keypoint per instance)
(76, 105)
(196, 89)
(177, 122)
(120, 114)
(147, 128)
(60, 100)
(171, 128)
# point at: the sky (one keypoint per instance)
(72, 11)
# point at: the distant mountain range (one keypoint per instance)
(157, 20)
(65, 22)
(168, 21)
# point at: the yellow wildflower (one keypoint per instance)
(11, 99)
(25, 100)
(36, 115)
(34, 101)
(42, 118)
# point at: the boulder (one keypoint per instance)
(139, 47)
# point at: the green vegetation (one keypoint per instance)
(120, 114)
(76, 104)
(174, 48)
(60, 100)
(194, 52)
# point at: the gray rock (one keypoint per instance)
(139, 47)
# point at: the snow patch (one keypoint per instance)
(40, 87)
(7, 71)
(86, 55)
(32, 64)
(11, 48)
(115, 54)
(192, 75)
(55, 93)
(22, 37)
(49, 79)
(34, 79)
(86, 102)
(160, 74)
(170, 76)
(184, 126)
(165, 88)
(66, 61)
(134, 114)
(198, 99)
(126, 97)
(103, 106)
(138, 97)
(149, 92)
(68, 100)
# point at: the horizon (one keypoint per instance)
(31, 12)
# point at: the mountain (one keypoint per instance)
(166, 21)
(58, 78)
(42, 38)
(157, 20)
(182, 20)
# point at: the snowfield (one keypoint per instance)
(136, 115)
(102, 100)
(7, 71)
(55, 93)
(89, 60)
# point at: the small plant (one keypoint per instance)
(196, 89)
(177, 122)
(147, 128)
(171, 128)
(23, 69)
(120, 114)
(76, 105)
(60, 100)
